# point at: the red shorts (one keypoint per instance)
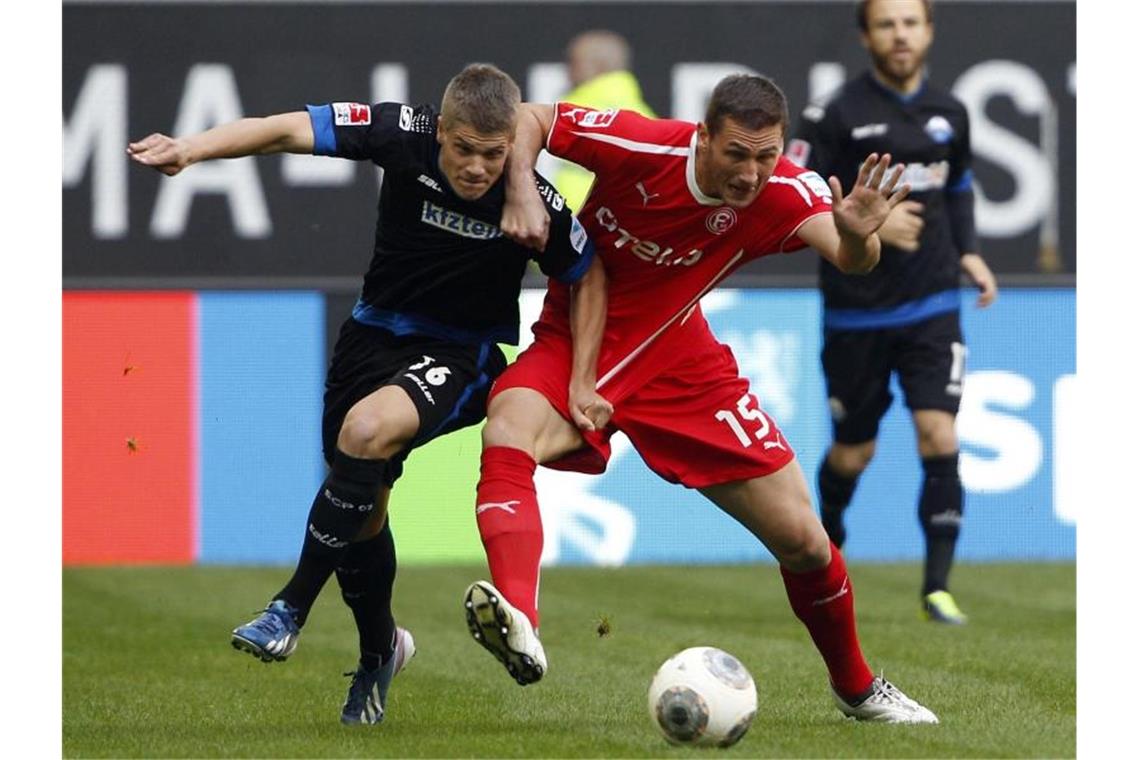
(692, 418)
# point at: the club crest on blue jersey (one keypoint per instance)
(939, 129)
(578, 235)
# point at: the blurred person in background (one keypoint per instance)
(598, 62)
(417, 356)
(904, 316)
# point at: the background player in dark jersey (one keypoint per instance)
(417, 356)
(904, 316)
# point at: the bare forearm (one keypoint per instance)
(525, 219)
(280, 133)
(530, 136)
(857, 255)
(588, 324)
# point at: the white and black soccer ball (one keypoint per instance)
(702, 696)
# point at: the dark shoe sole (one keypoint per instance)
(245, 645)
(487, 622)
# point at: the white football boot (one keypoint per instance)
(504, 632)
(887, 704)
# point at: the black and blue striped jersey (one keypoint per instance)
(440, 266)
(928, 131)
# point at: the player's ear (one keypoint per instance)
(703, 136)
(440, 132)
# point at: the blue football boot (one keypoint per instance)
(270, 636)
(368, 692)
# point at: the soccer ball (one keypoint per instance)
(702, 696)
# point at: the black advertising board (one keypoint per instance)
(133, 68)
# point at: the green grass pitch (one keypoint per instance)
(148, 670)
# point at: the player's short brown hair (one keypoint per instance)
(861, 12)
(751, 100)
(482, 97)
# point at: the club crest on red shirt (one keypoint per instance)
(720, 220)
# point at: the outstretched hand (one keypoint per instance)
(863, 211)
(160, 152)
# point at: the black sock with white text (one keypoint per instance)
(340, 508)
(940, 512)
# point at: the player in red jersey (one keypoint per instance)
(675, 208)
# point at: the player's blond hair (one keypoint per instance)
(482, 97)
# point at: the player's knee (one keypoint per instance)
(811, 550)
(850, 460)
(505, 428)
(938, 440)
(369, 434)
(496, 431)
(802, 544)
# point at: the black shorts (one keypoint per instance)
(448, 382)
(929, 357)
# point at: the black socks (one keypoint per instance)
(366, 574)
(940, 512)
(342, 505)
(835, 492)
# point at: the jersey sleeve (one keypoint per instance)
(817, 140)
(569, 250)
(960, 190)
(377, 133)
(602, 140)
(960, 177)
(801, 194)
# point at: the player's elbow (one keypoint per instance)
(538, 117)
(595, 276)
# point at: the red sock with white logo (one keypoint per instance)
(825, 602)
(506, 508)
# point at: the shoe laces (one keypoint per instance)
(888, 692)
(360, 688)
(270, 621)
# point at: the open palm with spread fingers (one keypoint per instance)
(866, 207)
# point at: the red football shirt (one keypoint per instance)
(664, 242)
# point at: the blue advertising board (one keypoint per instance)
(1012, 427)
(262, 359)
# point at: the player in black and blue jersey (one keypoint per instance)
(903, 317)
(418, 355)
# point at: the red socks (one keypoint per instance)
(511, 528)
(823, 600)
(510, 525)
